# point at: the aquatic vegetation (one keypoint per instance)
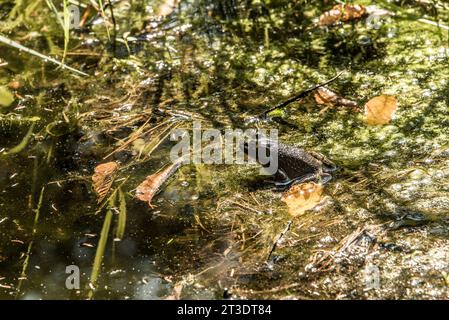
(6, 97)
(103, 178)
(45, 58)
(99, 255)
(342, 13)
(152, 184)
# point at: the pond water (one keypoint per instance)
(381, 230)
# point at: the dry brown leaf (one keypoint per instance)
(302, 197)
(103, 179)
(151, 185)
(176, 293)
(380, 109)
(327, 97)
(14, 85)
(342, 13)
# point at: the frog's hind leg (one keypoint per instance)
(281, 186)
(322, 178)
(281, 181)
(329, 165)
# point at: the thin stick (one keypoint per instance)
(289, 224)
(26, 139)
(300, 95)
(245, 207)
(40, 55)
(433, 23)
(99, 254)
(114, 23)
(273, 290)
(30, 245)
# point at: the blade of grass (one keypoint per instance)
(65, 23)
(15, 118)
(159, 139)
(114, 23)
(39, 55)
(121, 223)
(52, 6)
(103, 14)
(30, 245)
(101, 248)
(22, 143)
(66, 28)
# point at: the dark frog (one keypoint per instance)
(294, 165)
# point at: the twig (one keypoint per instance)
(114, 23)
(37, 212)
(245, 207)
(272, 290)
(300, 95)
(433, 23)
(40, 55)
(287, 228)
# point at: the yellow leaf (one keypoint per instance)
(380, 109)
(302, 197)
(327, 97)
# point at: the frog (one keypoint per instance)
(295, 165)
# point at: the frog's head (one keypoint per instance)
(252, 145)
(328, 166)
(264, 151)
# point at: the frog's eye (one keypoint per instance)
(330, 166)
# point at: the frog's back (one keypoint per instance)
(296, 160)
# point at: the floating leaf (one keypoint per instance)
(342, 13)
(103, 178)
(380, 109)
(302, 197)
(151, 185)
(6, 97)
(176, 292)
(327, 97)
